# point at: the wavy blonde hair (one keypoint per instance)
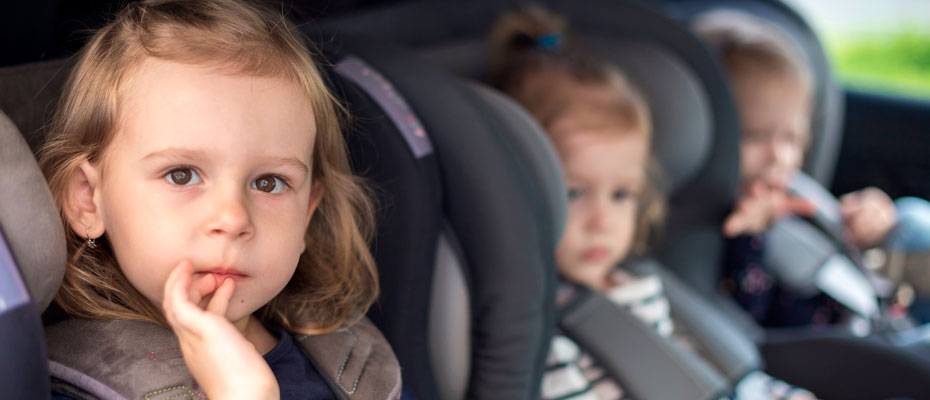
(333, 284)
(554, 81)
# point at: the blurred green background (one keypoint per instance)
(896, 61)
(881, 46)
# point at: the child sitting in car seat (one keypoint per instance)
(600, 127)
(773, 86)
(216, 235)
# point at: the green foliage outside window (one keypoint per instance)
(893, 61)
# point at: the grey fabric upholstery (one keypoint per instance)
(130, 359)
(449, 322)
(527, 141)
(29, 217)
(681, 116)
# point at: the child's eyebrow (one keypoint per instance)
(189, 154)
(175, 153)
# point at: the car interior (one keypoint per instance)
(471, 203)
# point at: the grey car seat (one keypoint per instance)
(32, 246)
(467, 281)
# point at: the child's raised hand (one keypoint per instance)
(222, 361)
(761, 203)
(869, 215)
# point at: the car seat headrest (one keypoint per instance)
(30, 93)
(679, 107)
(682, 116)
(29, 217)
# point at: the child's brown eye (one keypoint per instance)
(619, 195)
(269, 184)
(183, 177)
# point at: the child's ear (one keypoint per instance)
(316, 195)
(83, 201)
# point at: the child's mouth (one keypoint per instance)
(220, 274)
(594, 255)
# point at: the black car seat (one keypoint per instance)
(469, 218)
(467, 281)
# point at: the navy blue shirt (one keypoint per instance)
(297, 378)
(752, 285)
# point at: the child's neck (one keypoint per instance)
(254, 331)
(615, 278)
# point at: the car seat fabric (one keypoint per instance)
(131, 359)
(29, 217)
(24, 228)
(490, 203)
(408, 199)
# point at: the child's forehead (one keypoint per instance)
(152, 72)
(166, 101)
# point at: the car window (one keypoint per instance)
(880, 46)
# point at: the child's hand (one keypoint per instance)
(761, 204)
(869, 214)
(222, 361)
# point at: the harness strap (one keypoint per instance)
(644, 363)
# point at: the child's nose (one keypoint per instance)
(778, 150)
(597, 218)
(230, 218)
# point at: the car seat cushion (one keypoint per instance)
(134, 359)
(29, 217)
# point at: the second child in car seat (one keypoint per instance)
(600, 127)
(773, 86)
(198, 164)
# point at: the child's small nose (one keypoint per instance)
(231, 218)
(597, 219)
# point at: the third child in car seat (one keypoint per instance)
(216, 236)
(601, 129)
(773, 86)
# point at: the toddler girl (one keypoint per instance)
(773, 86)
(198, 164)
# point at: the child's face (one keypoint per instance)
(774, 111)
(604, 172)
(213, 168)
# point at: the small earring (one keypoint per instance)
(91, 243)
